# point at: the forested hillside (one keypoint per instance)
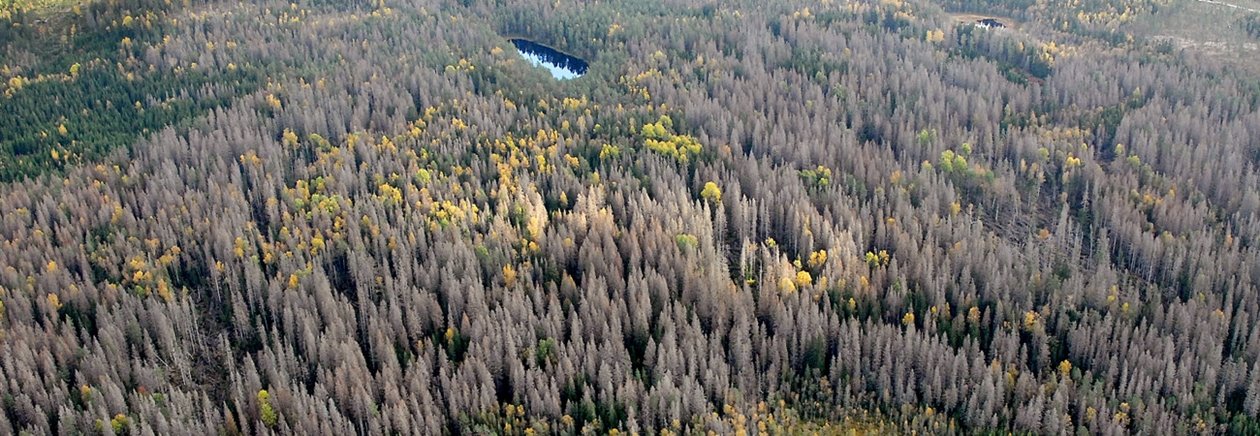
(327, 217)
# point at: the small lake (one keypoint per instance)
(990, 23)
(561, 65)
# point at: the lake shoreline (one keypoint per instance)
(562, 65)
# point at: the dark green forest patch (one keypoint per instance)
(75, 88)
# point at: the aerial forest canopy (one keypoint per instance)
(378, 217)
